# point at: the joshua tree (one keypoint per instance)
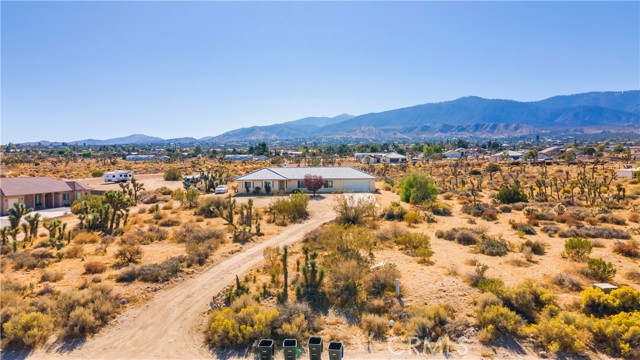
(226, 212)
(33, 221)
(118, 203)
(285, 273)
(136, 187)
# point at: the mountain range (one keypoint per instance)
(467, 116)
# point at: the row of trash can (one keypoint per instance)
(266, 349)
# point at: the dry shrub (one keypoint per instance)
(629, 249)
(595, 232)
(567, 281)
(84, 312)
(27, 329)
(51, 276)
(634, 217)
(169, 222)
(94, 267)
(30, 261)
(612, 219)
(160, 272)
(374, 325)
(489, 215)
(633, 275)
(74, 251)
(566, 219)
(86, 238)
(128, 254)
(492, 246)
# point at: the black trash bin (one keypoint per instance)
(266, 349)
(290, 348)
(315, 348)
(336, 350)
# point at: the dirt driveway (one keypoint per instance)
(171, 325)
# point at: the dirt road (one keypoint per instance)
(171, 325)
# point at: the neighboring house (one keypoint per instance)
(137, 157)
(287, 179)
(452, 154)
(506, 155)
(236, 157)
(380, 158)
(39, 192)
(627, 173)
(550, 152)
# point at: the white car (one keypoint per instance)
(221, 189)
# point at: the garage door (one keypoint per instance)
(356, 185)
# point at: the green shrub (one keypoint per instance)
(528, 298)
(510, 194)
(490, 285)
(293, 209)
(416, 244)
(27, 329)
(577, 249)
(619, 335)
(537, 246)
(395, 211)
(601, 270)
(417, 188)
(496, 320)
(440, 209)
(97, 173)
(172, 174)
(241, 324)
(559, 334)
(355, 210)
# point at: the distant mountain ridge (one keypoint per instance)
(466, 116)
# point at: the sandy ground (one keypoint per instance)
(171, 325)
(150, 181)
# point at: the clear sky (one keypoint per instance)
(74, 70)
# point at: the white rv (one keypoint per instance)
(118, 176)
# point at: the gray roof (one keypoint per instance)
(298, 173)
(36, 185)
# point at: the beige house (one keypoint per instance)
(287, 179)
(39, 192)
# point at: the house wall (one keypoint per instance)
(291, 185)
(47, 200)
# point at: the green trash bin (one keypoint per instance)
(336, 350)
(315, 348)
(290, 349)
(266, 349)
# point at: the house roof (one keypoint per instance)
(298, 173)
(36, 185)
(509, 153)
(76, 186)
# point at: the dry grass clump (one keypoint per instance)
(38, 258)
(74, 251)
(629, 249)
(51, 276)
(86, 238)
(374, 325)
(94, 267)
(567, 281)
(492, 246)
(595, 232)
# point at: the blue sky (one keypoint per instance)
(75, 70)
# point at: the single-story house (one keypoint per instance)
(506, 155)
(627, 173)
(138, 157)
(287, 179)
(238, 157)
(550, 152)
(39, 192)
(380, 158)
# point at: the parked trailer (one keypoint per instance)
(118, 176)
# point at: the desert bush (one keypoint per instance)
(577, 248)
(51, 276)
(207, 206)
(240, 326)
(492, 246)
(596, 302)
(466, 237)
(194, 233)
(595, 232)
(128, 254)
(612, 219)
(567, 281)
(412, 217)
(172, 174)
(440, 209)
(537, 247)
(489, 215)
(566, 219)
(84, 312)
(490, 285)
(347, 281)
(355, 210)
(295, 320)
(635, 217)
(496, 320)
(416, 244)
(417, 188)
(523, 228)
(551, 230)
(73, 251)
(509, 194)
(601, 270)
(293, 209)
(159, 272)
(86, 238)
(163, 190)
(30, 261)
(381, 280)
(428, 321)
(629, 249)
(169, 222)
(559, 334)
(528, 298)
(374, 325)
(395, 211)
(618, 335)
(488, 299)
(127, 274)
(94, 267)
(27, 329)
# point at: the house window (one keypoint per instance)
(328, 184)
(65, 197)
(248, 184)
(300, 184)
(266, 184)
